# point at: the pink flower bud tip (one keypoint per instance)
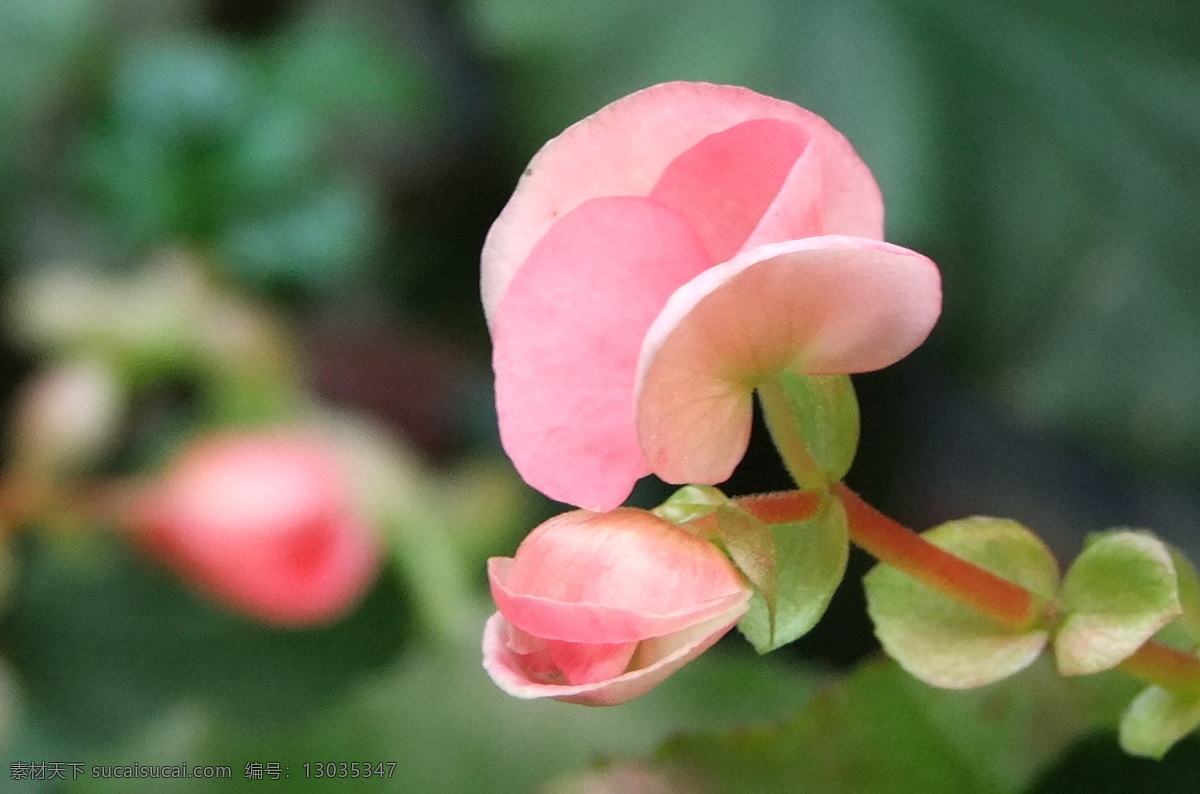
(599, 608)
(262, 522)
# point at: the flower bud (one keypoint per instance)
(262, 522)
(599, 608)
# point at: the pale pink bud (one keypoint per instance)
(263, 522)
(599, 608)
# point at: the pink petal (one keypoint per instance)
(566, 341)
(585, 622)
(724, 184)
(588, 663)
(625, 148)
(625, 559)
(653, 662)
(819, 305)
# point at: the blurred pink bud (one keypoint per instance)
(263, 523)
(599, 608)
(633, 204)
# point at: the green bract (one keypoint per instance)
(809, 563)
(689, 503)
(813, 420)
(944, 642)
(1157, 719)
(1120, 591)
(1189, 597)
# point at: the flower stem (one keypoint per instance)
(1164, 666)
(900, 547)
(780, 507)
(983, 591)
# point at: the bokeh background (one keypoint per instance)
(335, 165)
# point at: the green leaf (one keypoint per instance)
(1116, 595)
(880, 730)
(1157, 719)
(1189, 596)
(944, 642)
(813, 420)
(751, 545)
(810, 561)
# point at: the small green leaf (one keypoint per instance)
(813, 420)
(751, 545)
(1189, 596)
(1117, 594)
(946, 643)
(810, 561)
(689, 503)
(1157, 719)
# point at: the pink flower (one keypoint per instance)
(263, 523)
(661, 258)
(599, 608)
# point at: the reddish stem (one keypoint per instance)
(900, 547)
(991, 595)
(1164, 666)
(780, 507)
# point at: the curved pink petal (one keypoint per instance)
(625, 148)
(551, 619)
(724, 184)
(819, 305)
(653, 662)
(624, 559)
(566, 340)
(588, 663)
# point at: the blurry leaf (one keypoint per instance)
(809, 563)
(1157, 719)
(880, 730)
(1117, 593)
(274, 155)
(316, 242)
(944, 642)
(39, 40)
(337, 67)
(437, 716)
(176, 90)
(102, 642)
